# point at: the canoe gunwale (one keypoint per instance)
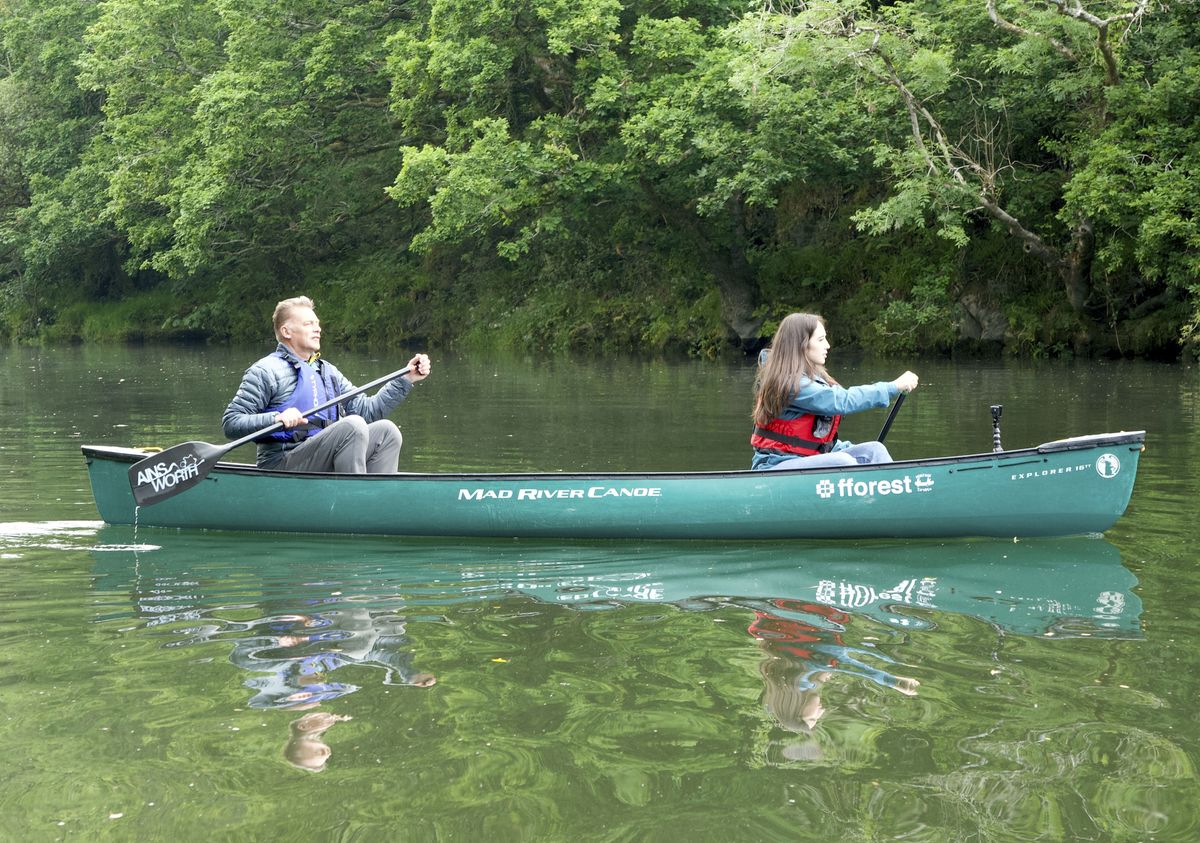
(979, 460)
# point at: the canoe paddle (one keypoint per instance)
(887, 425)
(179, 468)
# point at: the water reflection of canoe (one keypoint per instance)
(1066, 487)
(1043, 586)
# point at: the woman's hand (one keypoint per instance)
(906, 382)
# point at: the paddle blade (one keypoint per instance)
(167, 473)
(887, 425)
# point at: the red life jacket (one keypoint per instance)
(803, 436)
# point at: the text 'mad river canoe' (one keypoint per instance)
(1065, 487)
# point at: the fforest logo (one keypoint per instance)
(847, 487)
(168, 475)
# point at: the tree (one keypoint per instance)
(610, 172)
(244, 132)
(1007, 124)
(52, 219)
(573, 122)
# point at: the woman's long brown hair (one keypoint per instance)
(787, 366)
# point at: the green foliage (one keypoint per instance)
(494, 186)
(276, 117)
(602, 174)
(379, 299)
(614, 303)
(1042, 327)
(921, 319)
(52, 222)
(917, 199)
(142, 316)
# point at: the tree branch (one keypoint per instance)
(1008, 26)
(1135, 18)
(954, 161)
(1074, 9)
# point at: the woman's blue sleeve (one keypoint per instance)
(829, 400)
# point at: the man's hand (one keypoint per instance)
(418, 368)
(291, 418)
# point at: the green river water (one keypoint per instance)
(218, 686)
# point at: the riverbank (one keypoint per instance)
(582, 321)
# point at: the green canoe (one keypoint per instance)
(1066, 487)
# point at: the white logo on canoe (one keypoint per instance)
(848, 487)
(1108, 466)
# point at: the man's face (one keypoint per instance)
(302, 331)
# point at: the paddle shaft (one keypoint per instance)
(887, 425)
(358, 390)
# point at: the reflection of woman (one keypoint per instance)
(810, 636)
(804, 649)
(796, 709)
(799, 405)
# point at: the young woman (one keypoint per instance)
(799, 405)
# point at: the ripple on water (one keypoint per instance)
(136, 548)
(38, 529)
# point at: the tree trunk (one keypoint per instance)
(738, 302)
(1077, 266)
(735, 279)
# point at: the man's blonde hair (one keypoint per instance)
(283, 311)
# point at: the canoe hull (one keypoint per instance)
(1063, 488)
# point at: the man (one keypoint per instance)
(352, 437)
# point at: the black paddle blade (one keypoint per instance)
(169, 472)
(887, 425)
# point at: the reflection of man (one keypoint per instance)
(294, 664)
(305, 748)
